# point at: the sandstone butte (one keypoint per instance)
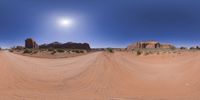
(149, 45)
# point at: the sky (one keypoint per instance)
(101, 23)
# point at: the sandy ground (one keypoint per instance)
(45, 54)
(101, 76)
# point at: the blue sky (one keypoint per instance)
(101, 23)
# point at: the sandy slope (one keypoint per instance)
(101, 76)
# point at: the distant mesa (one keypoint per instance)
(68, 45)
(149, 45)
(144, 44)
(30, 43)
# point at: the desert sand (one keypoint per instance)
(47, 54)
(101, 76)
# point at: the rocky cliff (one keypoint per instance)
(30, 43)
(149, 45)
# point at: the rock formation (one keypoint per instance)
(68, 45)
(183, 48)
(149, 45)
(195, 48)
(192, 48)
(51, 45)
(167, 46)
(72, 45)
(143, 45)
(30, 43)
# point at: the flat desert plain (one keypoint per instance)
(101, 76)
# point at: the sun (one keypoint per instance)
(65, 22)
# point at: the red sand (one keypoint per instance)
(101, 76)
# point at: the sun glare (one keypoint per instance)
(65, 22)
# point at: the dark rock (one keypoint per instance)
(192, 48)
(68, 45)
(43, 46)
(30, 43)
(54, 45)
(183, 48)
(71, 45)
(197, 47)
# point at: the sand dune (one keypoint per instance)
(101, 76)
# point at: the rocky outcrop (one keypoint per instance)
(30, 43)
(192, 48)
(183, 48)
(143, 45)
(72, 45)
(195, 48)
(51, 45)
(167, 46)
(68, 45)
(149, 45)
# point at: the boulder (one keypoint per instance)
(30, 43)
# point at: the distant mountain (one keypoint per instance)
(68, 45)
(30, 43)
